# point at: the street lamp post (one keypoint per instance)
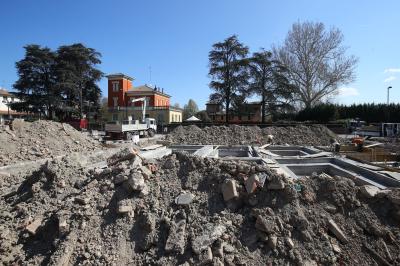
(387, 106)
(388, 94)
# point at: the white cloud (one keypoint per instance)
(348, 91)
(392, 70)
(389, 79)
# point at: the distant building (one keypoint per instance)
(251, 113)
(6, 98)
(121, 92)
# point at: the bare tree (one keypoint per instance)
(316, 60)
(190, 109)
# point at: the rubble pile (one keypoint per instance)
(24, 141)
(187, 210)
(315, 135)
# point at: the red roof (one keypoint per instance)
(4, 92)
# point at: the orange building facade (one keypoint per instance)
(121, 92)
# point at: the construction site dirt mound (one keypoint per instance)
(24, 141)
(187, 210)
(316, 135)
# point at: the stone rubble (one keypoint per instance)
(315, 135)
(27, 141)
(190, 210)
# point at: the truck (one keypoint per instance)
(128, 129)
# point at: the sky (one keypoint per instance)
(166, 43)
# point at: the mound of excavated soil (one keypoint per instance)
(186, 210)
(41, 139)
(239, 135)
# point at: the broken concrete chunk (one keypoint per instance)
(33, 227)
(289, 242)
(147, 223)
(336, 248)
(265, 225)
(206, 257)
(122, 209)
(82, 200)
(137, 162)
(272, 241)
(229, 190)
(146, 172)
(145, 191)
(176, 239)
(310, 263)
(211, 233)
(123, 155)
(184, 199)
(218, 250)
(334, 228)
(4, 174)
(63, 226)
(369, 191)
(252, 183)
(228, 248)
(135, 182)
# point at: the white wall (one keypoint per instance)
(3, 106)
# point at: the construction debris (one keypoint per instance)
(239, 135)
(192, 211)
(27, 141)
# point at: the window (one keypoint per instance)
(115, 99)
(115, 117)
(115, 86)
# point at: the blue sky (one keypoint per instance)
(175, 36)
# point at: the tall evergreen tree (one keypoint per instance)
(36, 84)
(228, 70)
(77, 75)
(267, 79)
